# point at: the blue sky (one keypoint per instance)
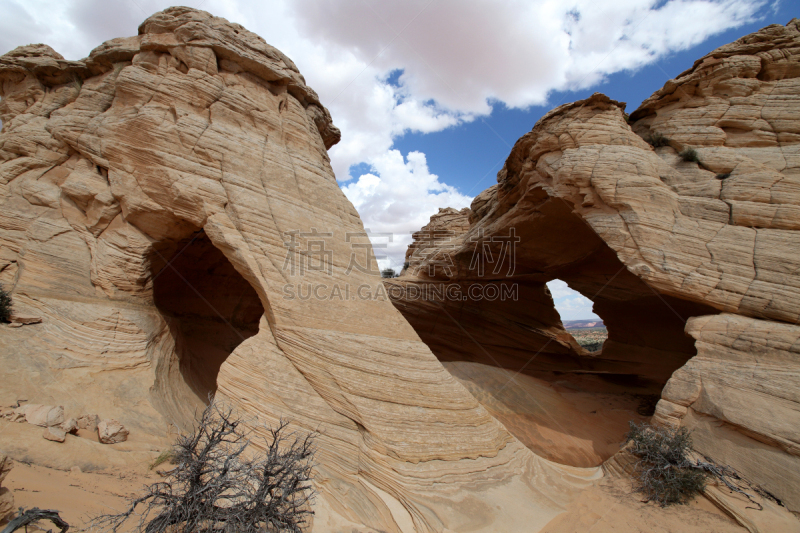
(468, 156)
(430, 95)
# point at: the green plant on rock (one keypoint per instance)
(656, 140)
(5, 305)
(689, 154)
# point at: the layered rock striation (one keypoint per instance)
(170, 214)
(681, 223)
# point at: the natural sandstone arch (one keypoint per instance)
(197, 127)
(524, 337)
(693, 267)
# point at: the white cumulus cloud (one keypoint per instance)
(571, 305)
(398, 198)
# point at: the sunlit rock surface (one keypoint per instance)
(162, 201)
(691, 260)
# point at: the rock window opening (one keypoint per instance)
(566, 402)
(209, 308)
(587, 330)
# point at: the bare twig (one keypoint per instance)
(34, 515)
(730, 478)
(216, 487)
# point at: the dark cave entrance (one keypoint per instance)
(209, 308)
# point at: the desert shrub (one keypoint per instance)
(689, 154)
(405, 265)
(656, 140)
(590, 345)
(723, 176)
(387, 273)
(167, 456)
(5, 305)
(219, 487)
(665, 473)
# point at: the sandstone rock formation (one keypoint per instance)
(111, 432)
(69, 425)
(55, 434)
(169, 211)
(661, 244)
(42, 415)
(88, 422)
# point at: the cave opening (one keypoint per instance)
(209, 309)
(565, 402)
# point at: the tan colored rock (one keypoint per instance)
(162, 200)
(70, 425)
(661, 245)
(43, 415)
(745, 376)
(24, 320)
(88, 422)
(111, 432)
(55, 434)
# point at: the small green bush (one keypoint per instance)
(656, 140)
(387, 273)
(5, 305)
(665, 473)
(591, 346)
(690, 155)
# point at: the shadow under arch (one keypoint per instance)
(209, 309)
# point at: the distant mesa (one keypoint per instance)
(574, 324)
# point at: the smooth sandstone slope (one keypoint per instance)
(693, 266)
(167, 203)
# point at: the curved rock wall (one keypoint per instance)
(142, 184)
(661, 242)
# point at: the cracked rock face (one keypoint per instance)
(161, 201)
(693, 266)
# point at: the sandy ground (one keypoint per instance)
(609, 506)
(81, 493)
(78, 496)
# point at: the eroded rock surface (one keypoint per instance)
(111, 432)
(660, 243)
(162, 200)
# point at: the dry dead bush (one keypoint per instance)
(217, 487)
